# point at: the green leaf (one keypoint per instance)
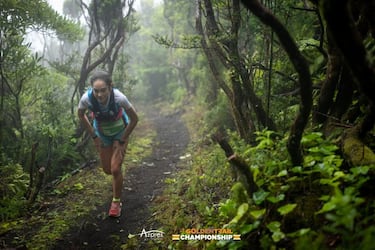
(299, 233)
(324, 149)
(311, 139)
(276, 199)
(256, 172)
(297, 169)
(241, 211)
(260, 196)
(258, 213)
(277, 236)
(78, 186)
(325, 197)
(363, 170)
(274, 226)
(329, 206)
(326, 181)
(309, 161)
(169, 180)
(282, 173)
(228, 209)
(249, 227)
(286, 209)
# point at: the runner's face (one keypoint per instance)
(101, 91)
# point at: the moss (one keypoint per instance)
(356, 152)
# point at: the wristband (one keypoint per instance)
(94, 136)
(121, 142)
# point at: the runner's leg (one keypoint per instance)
(116, 162)
(105, 158)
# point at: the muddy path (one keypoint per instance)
(142, 184)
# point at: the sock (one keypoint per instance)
(116, 200)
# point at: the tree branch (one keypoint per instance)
(237, 162)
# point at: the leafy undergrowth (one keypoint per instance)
(323, 204)
(74, 198)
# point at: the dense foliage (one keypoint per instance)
(311, 177)
(32, 106)
(321, 204)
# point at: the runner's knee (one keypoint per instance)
(116, 170)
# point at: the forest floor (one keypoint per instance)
(142, 185)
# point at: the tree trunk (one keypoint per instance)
(340, 114)
(327, 91)
(349, 42)
(300, 64)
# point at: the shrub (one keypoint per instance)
(13, 185)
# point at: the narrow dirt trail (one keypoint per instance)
(141, 185)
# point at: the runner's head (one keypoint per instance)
(101, 83)
(101, 75)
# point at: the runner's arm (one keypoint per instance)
(133, 117)
(85, 122)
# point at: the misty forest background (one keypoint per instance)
(279, 99)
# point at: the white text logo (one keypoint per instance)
(151, 234)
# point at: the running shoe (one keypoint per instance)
(115, 210)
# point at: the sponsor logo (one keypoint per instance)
(206, 234)
(151, 234)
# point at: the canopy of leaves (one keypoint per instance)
(20, 15)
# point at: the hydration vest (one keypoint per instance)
(113, 113)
